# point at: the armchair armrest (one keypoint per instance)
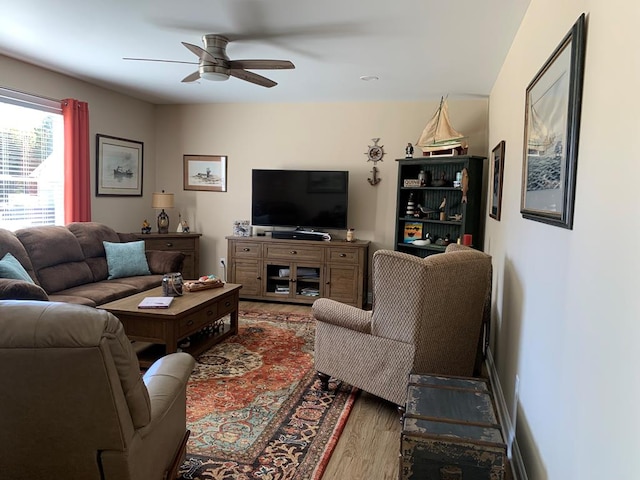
(165, 381)
(161, 261)
(342, 315)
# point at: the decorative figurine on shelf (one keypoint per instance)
(441, 182)
(410, 206)
(442, 208)
(185, 227)
(424, 211)
(464, 184)
(422, 176)
(179, 229)
(408, 151)
(146, 228)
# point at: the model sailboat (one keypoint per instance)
(439, 137)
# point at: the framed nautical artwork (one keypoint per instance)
(118, 167)
(412, 231)
(551, 131)
(205, 172)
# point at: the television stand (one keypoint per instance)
(299, 271)
(300, 235)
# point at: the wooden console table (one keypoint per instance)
(299, 271)
(187, 243)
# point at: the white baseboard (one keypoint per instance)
(519, 472)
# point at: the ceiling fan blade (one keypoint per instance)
(192, 77)
(252, 77)
(158, 60)
(262, 64)
(201, 53)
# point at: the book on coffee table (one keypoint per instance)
(155, 302)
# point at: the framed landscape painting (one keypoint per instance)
(118, 167)
(205, 172)
(552, 127)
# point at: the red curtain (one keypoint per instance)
(77, 178)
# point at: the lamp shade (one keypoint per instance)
(162, 200)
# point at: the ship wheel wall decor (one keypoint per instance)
(374, 154)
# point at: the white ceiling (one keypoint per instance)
(419, 49)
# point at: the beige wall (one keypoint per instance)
(110, 114)
(307, 136)
(566, 306)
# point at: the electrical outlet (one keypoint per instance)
(223, 262)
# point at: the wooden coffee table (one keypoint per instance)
(186, 317)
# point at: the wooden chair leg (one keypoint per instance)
(178, 459)
(324, 380)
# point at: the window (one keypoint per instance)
(31, 161)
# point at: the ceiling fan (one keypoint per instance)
(215, 65)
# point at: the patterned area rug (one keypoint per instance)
(255, 408)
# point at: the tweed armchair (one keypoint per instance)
(73, 403)
(427, 317)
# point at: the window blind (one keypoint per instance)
(31, 161)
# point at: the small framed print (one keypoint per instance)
(412, 231)
(241, 228)
(205, 172)
(497, 168)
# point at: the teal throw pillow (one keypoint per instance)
(126, 259)
(10, 267)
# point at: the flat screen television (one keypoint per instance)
(305, 199)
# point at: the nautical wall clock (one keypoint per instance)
(374, 154)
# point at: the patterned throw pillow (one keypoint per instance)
(10, 267)
(126, 259)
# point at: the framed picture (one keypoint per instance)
(498, 175)
(118, 167)
(241, 228)
(412, 231)
(552, 127)
(205, 172)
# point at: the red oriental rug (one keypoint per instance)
(255, 408)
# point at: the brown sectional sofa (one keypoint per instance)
(68, 264)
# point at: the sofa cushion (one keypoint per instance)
(11, 268)
(56, 256)
(90, 236)
(97, 292)
(126, 259)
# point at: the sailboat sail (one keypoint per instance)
(540, 137)
(439, 134)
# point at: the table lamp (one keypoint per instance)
(162, 201)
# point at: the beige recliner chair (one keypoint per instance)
(427, 317)
(73, 403)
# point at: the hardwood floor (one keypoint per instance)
(370, 443)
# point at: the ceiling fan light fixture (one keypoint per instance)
(216, 73)
(214, 76)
